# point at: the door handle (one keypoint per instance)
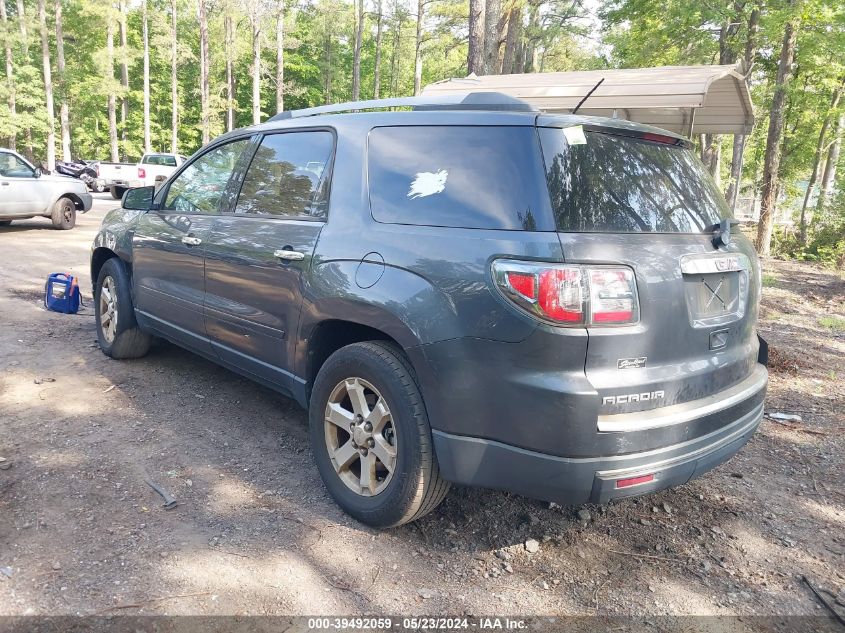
(191, 241)
(4, 184)
(289, 255)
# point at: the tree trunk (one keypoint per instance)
(145, 36)
(280, 58)
(229, 52)
(48, 87)
(205, 116)
(112, 107)
(475, 53)
(174, 81)
(771, 161)
(394, 56)
(530, 63)
(418, 47)
(256, 68)
(514, 24)
(124, 74)
(27, 132)
(327, 80)
(492, 13)
(735, 184)
(829, 176)
(377, 62)
(356, 56)
(64, 113)
(10, 74)
(817, 161)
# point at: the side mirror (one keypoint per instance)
(38, 172)
(138, 199)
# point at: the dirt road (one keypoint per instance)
(255, 532)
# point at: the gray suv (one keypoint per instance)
(470, 292)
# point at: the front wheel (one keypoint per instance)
(117, 330)
(371, 437)
(117, 192)
(64, 214)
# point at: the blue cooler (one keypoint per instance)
(61, 293)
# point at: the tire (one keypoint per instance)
(120, 337)
(64, 214)
(98, 187)
(5, 222)
(117, 192)
(413, 487)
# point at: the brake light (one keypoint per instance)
(142, 173)
(660, 138)
(570, 295)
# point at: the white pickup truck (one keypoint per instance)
(151, 170)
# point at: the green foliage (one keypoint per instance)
(833, 322)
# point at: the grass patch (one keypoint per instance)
(833, 322)
(769, 281)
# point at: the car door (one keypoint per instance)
(20, 191)
(258, 250)
(169, 243)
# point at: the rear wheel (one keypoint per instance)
(64, 214)
(117, 331)
(117, 192)
(5, 222)
(371, 438)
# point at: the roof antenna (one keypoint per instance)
(587, 96)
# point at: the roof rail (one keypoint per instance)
(489, 101)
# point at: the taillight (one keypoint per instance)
(566, 294)
(97, 169)
(142, 173)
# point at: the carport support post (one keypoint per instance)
(691, 123)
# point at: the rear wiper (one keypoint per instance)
(722, 231)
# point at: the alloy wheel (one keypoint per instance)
(360, 436)
(108, 309)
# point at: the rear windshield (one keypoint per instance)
(159, 159)
(475, 177)
(622, 184)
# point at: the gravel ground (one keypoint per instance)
(255, 532)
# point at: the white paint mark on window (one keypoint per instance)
(428, 183)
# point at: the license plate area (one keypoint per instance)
(716, 288)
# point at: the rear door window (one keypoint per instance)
(622, 184)
(479, 177)
(286, 176)
(159, 159)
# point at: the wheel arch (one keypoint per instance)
(99, 257)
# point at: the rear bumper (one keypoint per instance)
(573, 480)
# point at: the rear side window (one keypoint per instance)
(622, 184)
(285, 177)
(471, 177)
(159, 159)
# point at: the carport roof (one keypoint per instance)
(701, 99)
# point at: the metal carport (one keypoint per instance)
(684, 99)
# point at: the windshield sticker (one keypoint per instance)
(427, 183)
(575, 135)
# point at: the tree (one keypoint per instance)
(280, 57)
(229, 52)
(205, 114)
(738, 154)
(356, 60)
(174, 81)
(145, 36)
(492, 15)
(10, 76)
(48, 87)
(112, 97)
(829, 176)
(772, 158)
(64, 111)
(418, 41)
(475, 48)
(30, 149)
(124, 74)
(377, 62)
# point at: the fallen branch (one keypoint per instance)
(649, 556)
(798, 428)
(138, 605)
(824, 601)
